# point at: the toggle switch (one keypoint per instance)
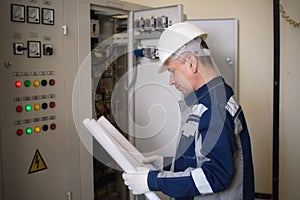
(19, 48)
(48, 49)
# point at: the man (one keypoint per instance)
(213, 158)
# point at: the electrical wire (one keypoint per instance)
(285, 16)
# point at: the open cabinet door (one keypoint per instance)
(152, 103)
(153, 108)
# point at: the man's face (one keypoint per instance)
(180, 76)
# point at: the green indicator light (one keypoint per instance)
(27, 83)
(28, 108)
(28, 131)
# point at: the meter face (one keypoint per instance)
(33, 15)
(17, 13)
(47, 16)
(34, 49)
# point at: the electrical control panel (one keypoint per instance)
(44, 43)
(33, 132)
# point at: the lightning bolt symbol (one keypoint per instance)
(37, 161)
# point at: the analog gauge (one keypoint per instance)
(33, 15)
(34, 49)
(17, 13)
(47, 16)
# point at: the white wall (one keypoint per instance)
(289, 178)
(255, 68)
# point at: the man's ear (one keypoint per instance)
(192, 63)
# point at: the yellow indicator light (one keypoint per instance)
(37, 129)
(36, 83)
(37, 106)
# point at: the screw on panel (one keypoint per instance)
(7, 64)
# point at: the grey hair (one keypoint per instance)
(196, 47)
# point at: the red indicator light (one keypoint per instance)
(20, 132)
(18, 84)
(52, 104)
(53, 126)
(19, 109)
(51, 82)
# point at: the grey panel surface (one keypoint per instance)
(223, 43)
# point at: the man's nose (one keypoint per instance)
(171, 79)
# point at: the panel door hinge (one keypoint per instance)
(69, 195)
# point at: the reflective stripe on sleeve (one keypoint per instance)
(201, 181)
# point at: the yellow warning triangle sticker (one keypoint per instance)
(37, 164)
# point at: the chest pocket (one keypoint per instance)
(190, 126)
(190, 129)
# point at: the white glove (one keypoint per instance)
(155, 161)
(137, 181)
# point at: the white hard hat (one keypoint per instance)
(174, 38)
